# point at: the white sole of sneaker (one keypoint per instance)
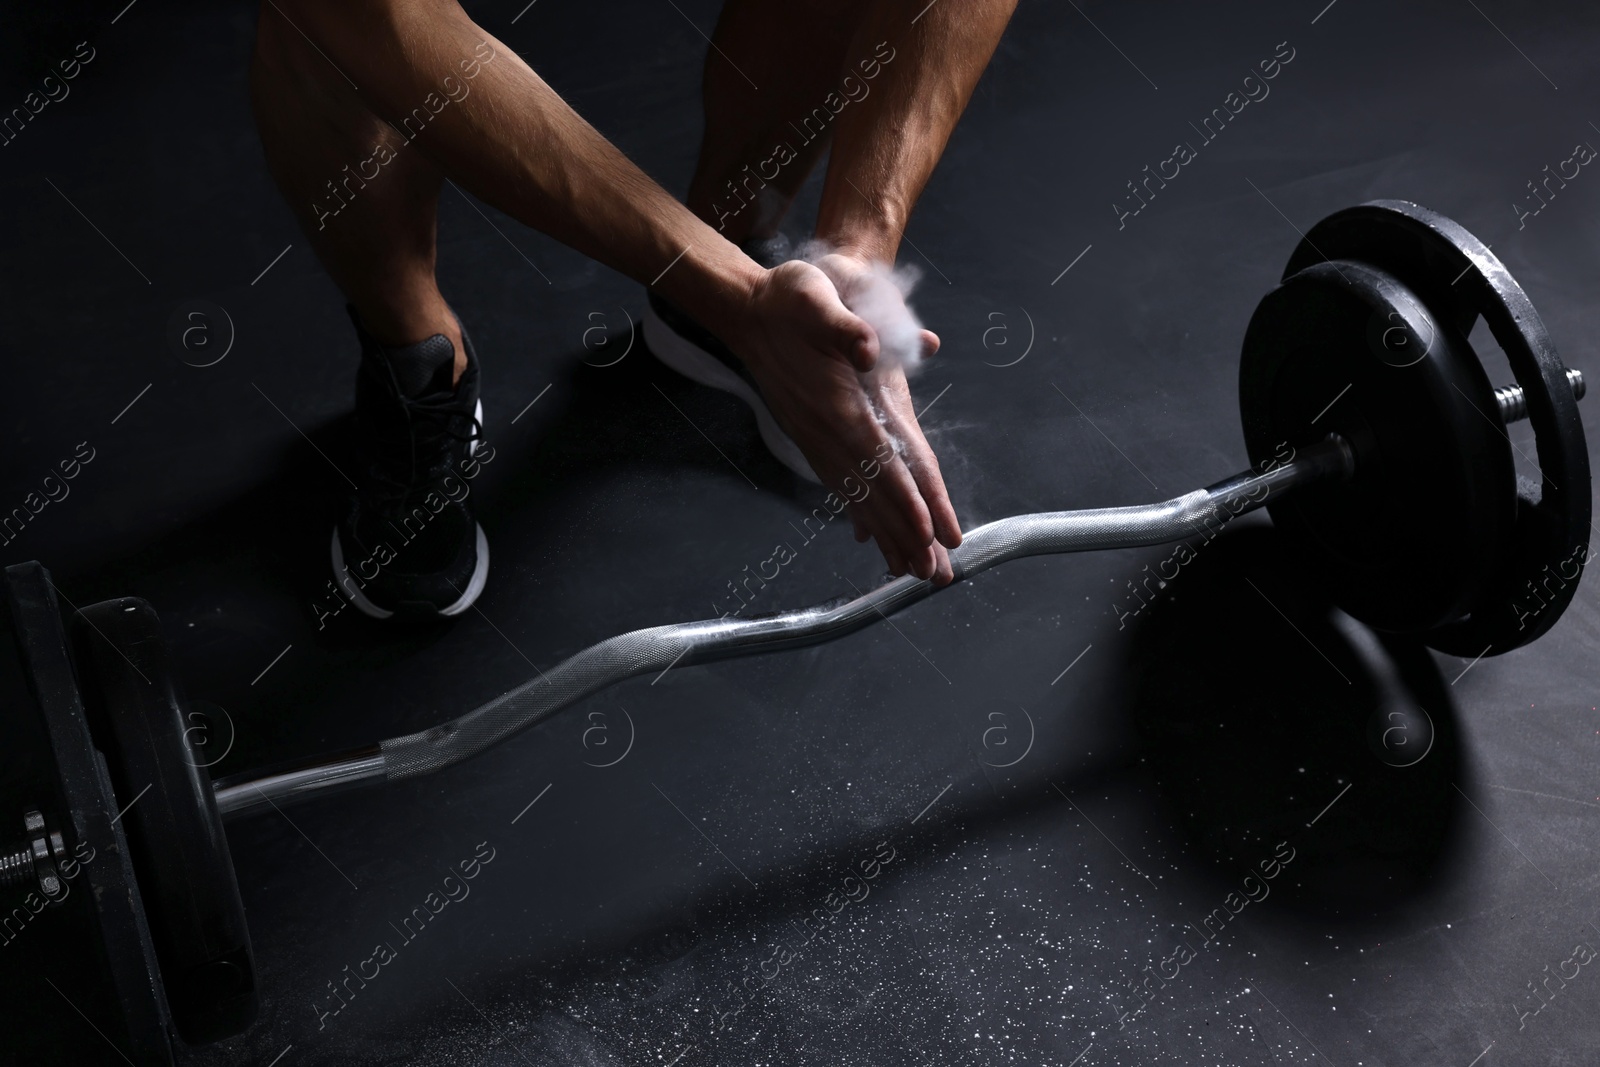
(480, 577)
(364, 604)
(698, 365)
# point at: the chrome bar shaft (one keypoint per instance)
(660, 648)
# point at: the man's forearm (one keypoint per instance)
(469, 102)
(886, 146)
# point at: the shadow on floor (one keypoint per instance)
(1258, 707)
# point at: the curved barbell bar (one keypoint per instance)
(659, 648)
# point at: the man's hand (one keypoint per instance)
(817, 365)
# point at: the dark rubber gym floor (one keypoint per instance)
(1054, 794)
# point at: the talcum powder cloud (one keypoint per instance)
(879, 296)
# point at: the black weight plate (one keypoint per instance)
(180, 852)
(104, 887)
(1405, 544)
(1460, 279)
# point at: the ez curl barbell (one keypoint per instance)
(1379, 448)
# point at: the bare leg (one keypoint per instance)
(380, 247)
(797, 51)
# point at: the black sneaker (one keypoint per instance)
(696, 353)
(407, 545)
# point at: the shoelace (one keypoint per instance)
(429, 442)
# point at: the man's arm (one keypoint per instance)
(472, 105)
(927, 59)
(486, 119)
(886, 145)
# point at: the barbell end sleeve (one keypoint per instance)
(1514, 403)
